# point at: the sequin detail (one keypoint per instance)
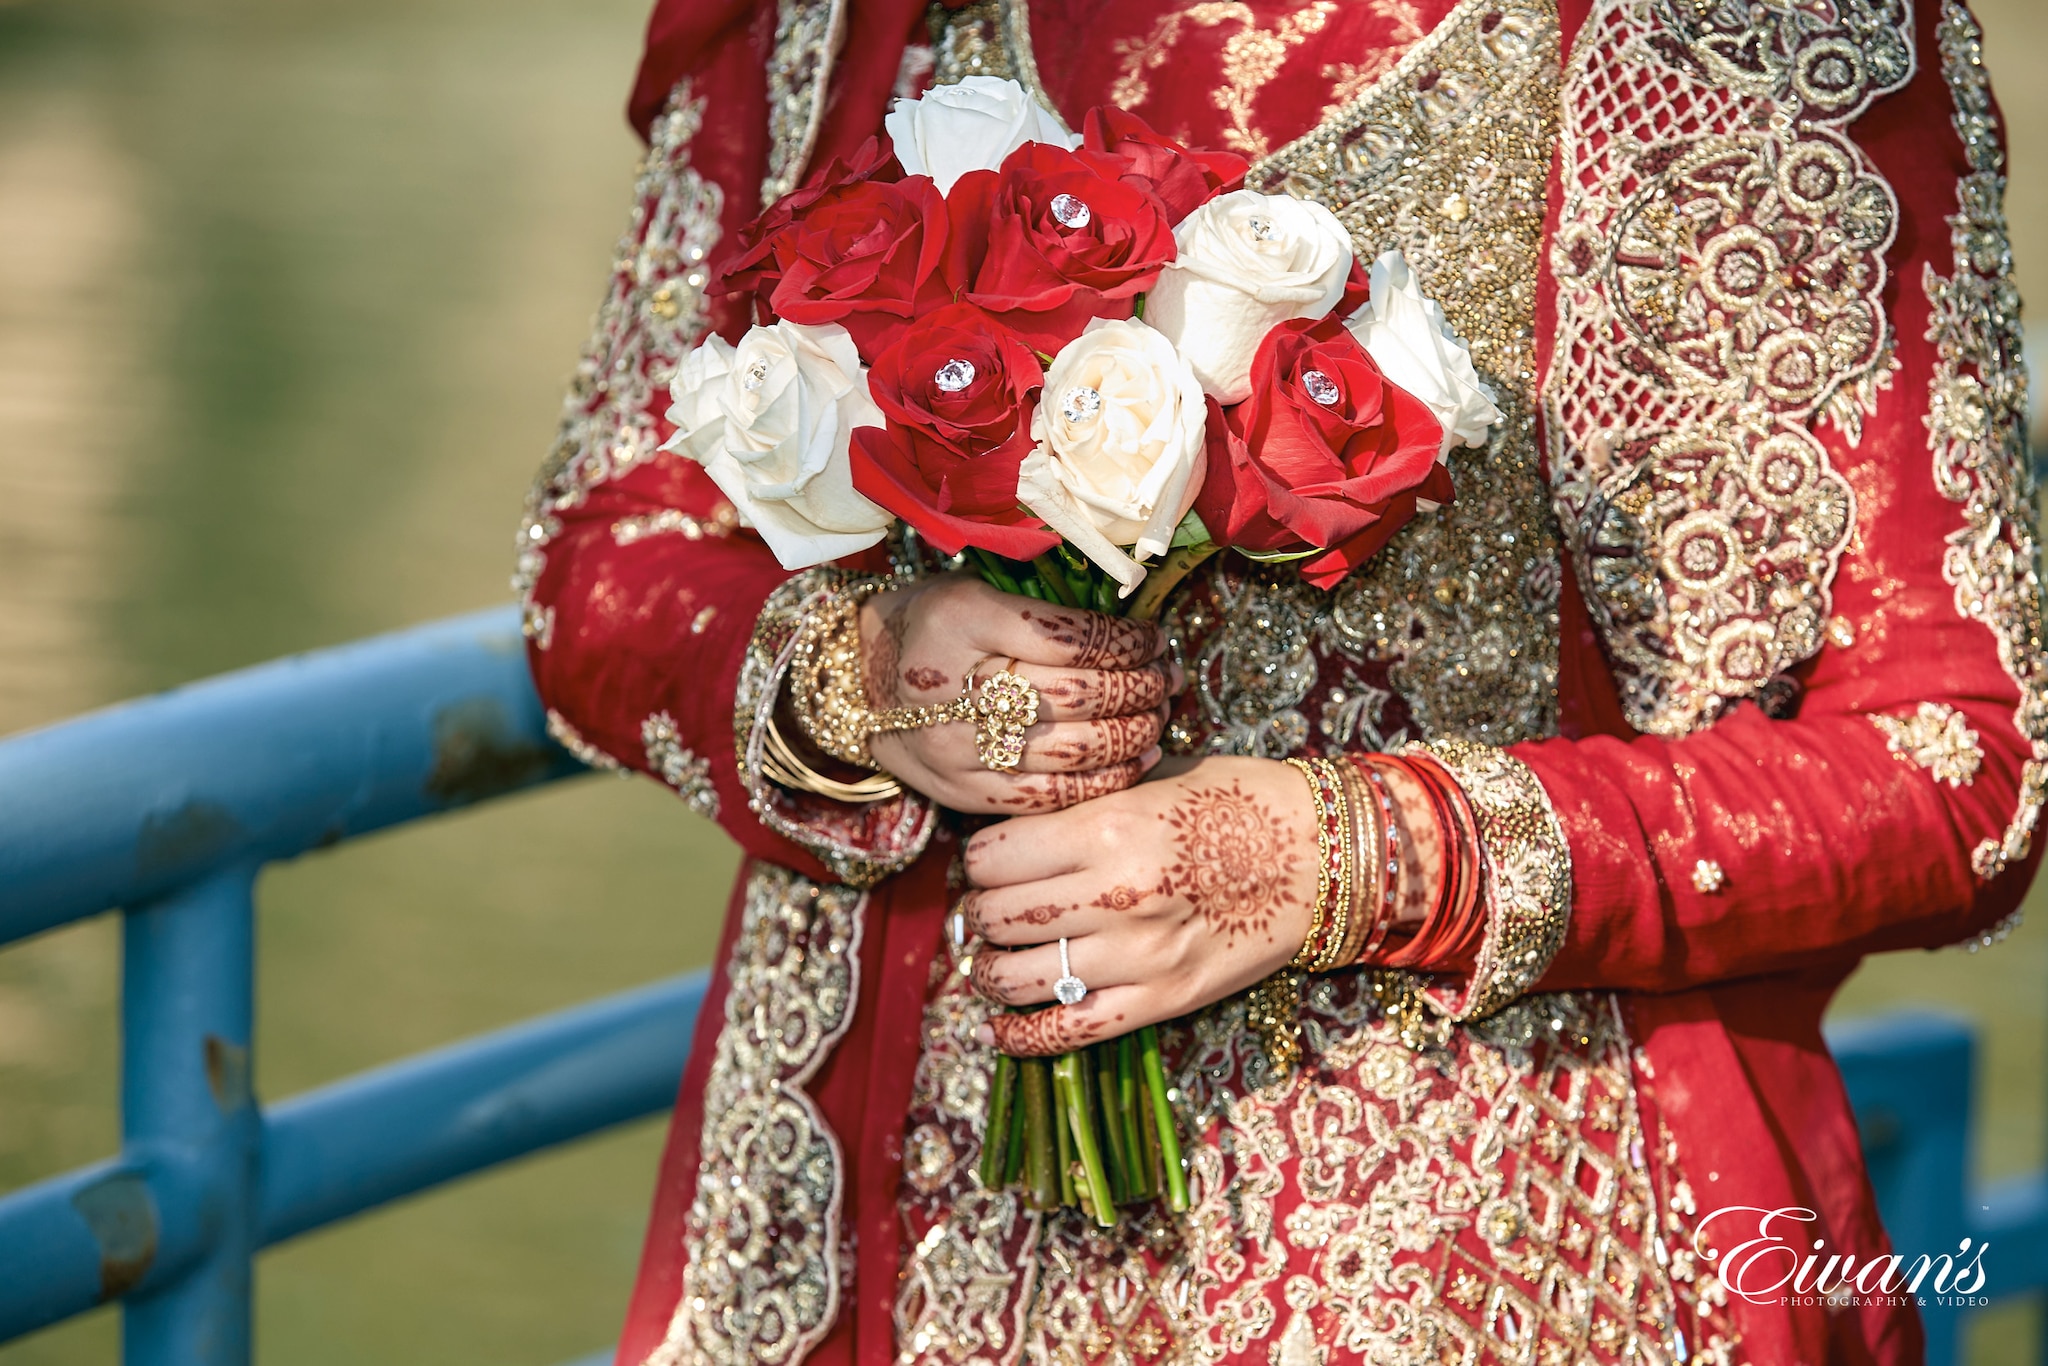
(764, 1275)
(1707, 877)
(1976, 425)
(679, 766)
(723, 521)
(808, 35)
(650, 318)
(1938, 738)
(1719, 293)
(571, 739)
(859, 845)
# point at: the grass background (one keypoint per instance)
(287, 294)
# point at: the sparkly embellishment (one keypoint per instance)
(1977, 428)
(1261, 229)
(648, 322)
(678, 766)
(1841, 632)
(808, 35)
(723, 521)
(569, 738)
(1080, 404)
(1321, 388)
(764, 1226)
(1707, 877)
(1069, 990)
(537, 624)
(1938, 738)
(954, 376)
(1720, 295)
(1071, 212)
(756, 375)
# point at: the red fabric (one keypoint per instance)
(1830, 845)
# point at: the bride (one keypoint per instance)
(1721, 670)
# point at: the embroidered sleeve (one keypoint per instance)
(858, 844)
(642, 594)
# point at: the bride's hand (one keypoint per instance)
(1103, 687)
(1171, 895)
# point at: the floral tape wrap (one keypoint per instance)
(859, 845)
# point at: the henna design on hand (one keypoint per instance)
(1126, 898)
(1110, 741)
(1107, 693)
(983, 978)
(1057, 1029)
(1234, 860)
(924, 678)
(1097, 641)
(884, 658)
(1058, 791)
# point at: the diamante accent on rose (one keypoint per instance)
(1262, 229)
(954, 375)
(1321, 388)
(1072, 212)
(756, 376)
(1080, 404)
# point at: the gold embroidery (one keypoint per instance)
(763, 1280)
(1527, 862)
(723, 521)
(1349, 80)
(1459, 613)
(1976, 424)
(1252, 57)
(808, 35)
(1938, 738)
(679, 767)
(649, 320)
(1720, 265)
(569, 738)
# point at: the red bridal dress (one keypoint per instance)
(1732, 636)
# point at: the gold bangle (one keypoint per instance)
(1365, 838)
(1306, 954)
(781, 765)
(827, 685)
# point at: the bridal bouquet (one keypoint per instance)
(1079, 363)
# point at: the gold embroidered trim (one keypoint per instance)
(723, 521)
(679, 766)
(1526, 864)
(650, 318)
(571, 739)
(1719, 293)
(859, 845)
(808, 36)
(1938, 738)
(764, 1278)
(1976, 426)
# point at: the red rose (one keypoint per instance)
(1124, 147)
(1326, 453)
(957, 388)
(860, 245)
(1047, 243)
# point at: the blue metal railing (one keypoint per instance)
(167, 807)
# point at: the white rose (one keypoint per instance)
(1120, 454)
(1245, 262)
(1409, 339)
(770, 420)
(953, 129)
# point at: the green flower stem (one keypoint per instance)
(1054, 578)
(1013, 1153)
(1067, 1074)
(1112, 1122)
(995, 1138)
(1042, 1160)
(1063, 1132)
(1127, 1115)
(1162, 1120)
(1150, 598)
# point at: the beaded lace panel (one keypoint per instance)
(1977, 426)
(1720, 265)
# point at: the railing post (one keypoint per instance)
(187, 1110)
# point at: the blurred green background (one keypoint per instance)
(287, 293)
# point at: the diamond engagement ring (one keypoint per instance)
(1069, 989)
